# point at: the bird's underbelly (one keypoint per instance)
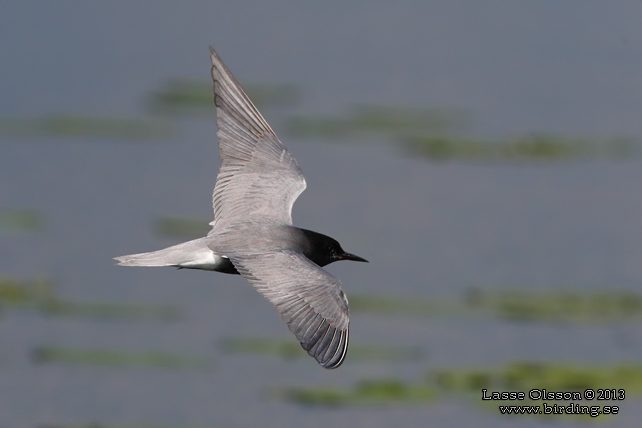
(208, 260)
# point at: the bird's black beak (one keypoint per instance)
(348, 256)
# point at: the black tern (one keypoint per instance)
(252, 232)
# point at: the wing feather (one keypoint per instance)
(258, 178)
(309, 299)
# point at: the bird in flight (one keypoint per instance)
(252, 232)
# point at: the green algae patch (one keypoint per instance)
(371, 120)
(435, 134)
(109, 311)
(325, 127)
(16, 292)
(81, 126)
(564, 306)
(539, 147)
(399, 305)
(195, 97)
(585, 384)
(385, 391)
(117, 359)
(556, 306)
(556, 388)
(104, 425)
(20, 220)
(38, 295)
(175, 227)
(527, 375)
(291, 349)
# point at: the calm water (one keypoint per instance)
(430, 229)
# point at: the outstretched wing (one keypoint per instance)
(258, 178)
(310, 301)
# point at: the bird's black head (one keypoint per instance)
(323, 250)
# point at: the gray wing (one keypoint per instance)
(258, 178)
(310, 301)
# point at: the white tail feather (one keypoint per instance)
(192, 254)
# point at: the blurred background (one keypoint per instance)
(483, 156)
